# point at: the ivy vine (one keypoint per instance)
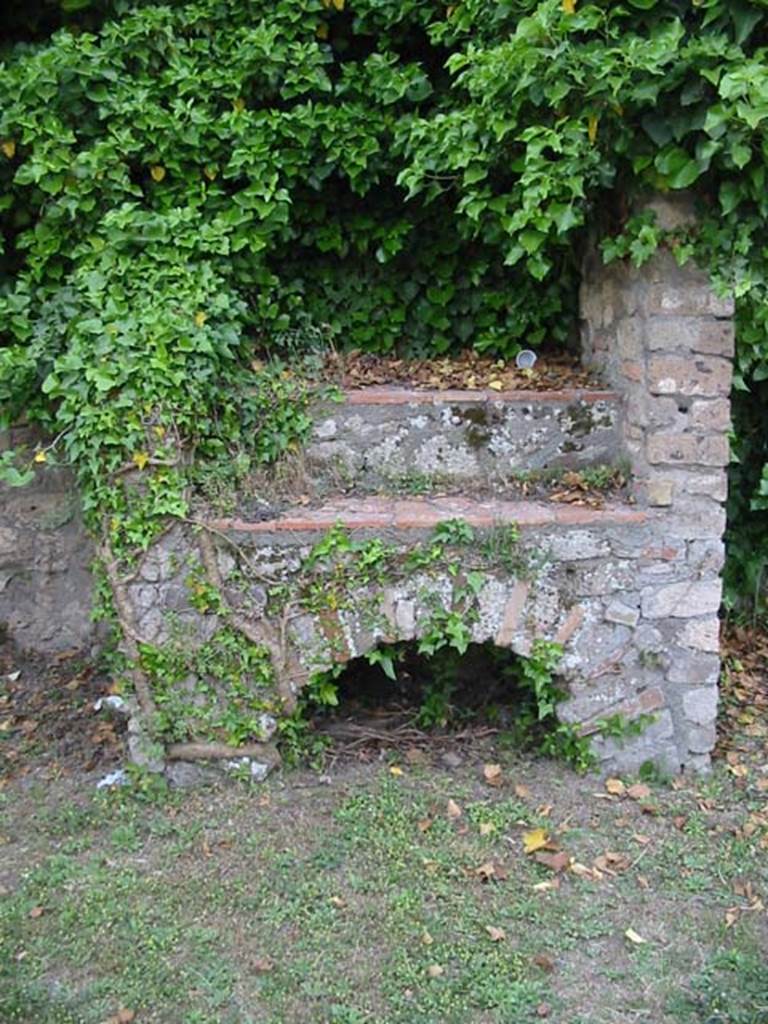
(189, 190)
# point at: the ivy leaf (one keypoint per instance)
(678, 167)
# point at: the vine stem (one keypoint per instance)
(261, 634)
(131, 638)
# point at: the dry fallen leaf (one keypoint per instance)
(492, 774)
(554, 861)
(426, 938)
(37, 911)
(486, 828)
(546, 963)
(731, 917)
(123, 1016)
(643, 882)
(522, 791)
(551, 885)
(639, 791)
(611, 862)
(496, 934)
(486, 871)
(582, 871)
(395, 770)
(535, 840)
(435, 970)
(634, 938)
(615, 787)
(424, 824)
(453, 810)
(543, 1010)
(262, 965)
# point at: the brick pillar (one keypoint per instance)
(661, 336)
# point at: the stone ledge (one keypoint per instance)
(390, 395)
(426, 513)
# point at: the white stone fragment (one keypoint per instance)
(116, 778)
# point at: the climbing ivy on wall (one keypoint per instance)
(185, 186)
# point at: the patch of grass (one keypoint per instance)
(364, 901)
(732, 988)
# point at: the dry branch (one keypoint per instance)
(265, 752)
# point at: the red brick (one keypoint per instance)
(386, 395)
(691, 334)
(645, 703)
(714, 414)
(688, 449)
(512, 612)
(707, 376)
(570, 625)
(425, 513)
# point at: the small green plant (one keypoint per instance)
(435, 710)
(619, 727)
(385, 656)
(142, 785)
(650, 772)
(217, 690)
(536, 723)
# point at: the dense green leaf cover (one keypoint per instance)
(190, 182)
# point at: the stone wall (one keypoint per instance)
(662, 337)
(389, 436)
(46, 588)
(630, 589)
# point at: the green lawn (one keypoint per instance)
(367, 898)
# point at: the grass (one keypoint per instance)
(362, 901)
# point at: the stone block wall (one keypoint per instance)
(631, 590)
(662, 337)
(46, 588)
(383, 437)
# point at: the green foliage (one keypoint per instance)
(619, 727)
(440, 679)
(217, 691)
(185, 184)
(730, 987)
(536, 721)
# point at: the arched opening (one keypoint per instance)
(406, 695)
